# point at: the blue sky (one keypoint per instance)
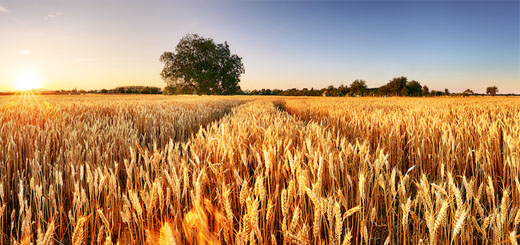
(284, 44)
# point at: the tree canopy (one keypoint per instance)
(202, 66)
(493, 90)
(425, 90)
(358, 87)
(413, 88)
(396, 86)
(468, 92)
(402, 87)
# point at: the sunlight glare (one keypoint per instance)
(27, 80)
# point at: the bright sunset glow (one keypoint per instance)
(27, 80)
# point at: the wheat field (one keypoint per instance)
(259, 170)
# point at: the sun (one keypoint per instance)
(27, 80)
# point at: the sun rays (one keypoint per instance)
(26, 84)
(29, 98)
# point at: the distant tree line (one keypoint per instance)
(129, 90)
(399, 86)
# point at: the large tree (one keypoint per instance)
(493, 90)
(425, 90)
(468, 92)
(203, 66)
(358, 87)
(413, 88)
(396, 86)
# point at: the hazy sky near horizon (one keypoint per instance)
(284, 44)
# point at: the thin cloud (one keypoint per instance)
(86, 60)
(23, 52)
(3, 9)
(52, 16)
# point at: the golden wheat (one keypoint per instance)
(188, 169)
